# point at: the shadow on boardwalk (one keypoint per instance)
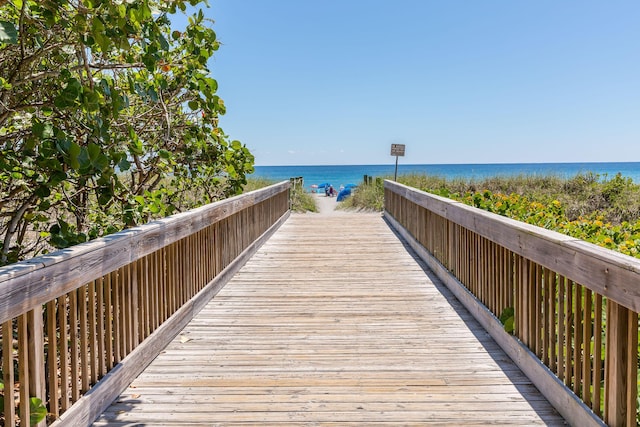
(510, 369)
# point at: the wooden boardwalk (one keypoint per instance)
(332, 322)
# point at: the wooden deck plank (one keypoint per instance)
(332, 322)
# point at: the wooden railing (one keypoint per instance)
(78, 325)
(575, 304)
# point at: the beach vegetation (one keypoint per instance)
(301, 200)
(108, 119)
(599, 209)
(366, 196)
(254, 183)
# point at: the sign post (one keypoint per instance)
(397, 150)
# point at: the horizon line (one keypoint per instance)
(448, 164)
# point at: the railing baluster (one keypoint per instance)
(84, 339)
(74, 343)
(109, 339)
(586, 347)
(8, 373)
(134, 318)
(23, 368)
(621, 361)
(562, 331)
(116, 315)
(569, 314)
(577, 342)
(93, 333)
(100, 325)
(63, 350)
(52, 359)
(597, 355)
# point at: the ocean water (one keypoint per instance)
(353, 174)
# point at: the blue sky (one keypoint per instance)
(493, 81)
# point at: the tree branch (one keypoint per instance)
(36, 76)
(13, 225)
(103, 66)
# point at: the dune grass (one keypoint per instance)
(301, 201)
(368, 197)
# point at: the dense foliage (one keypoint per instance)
(107, 116)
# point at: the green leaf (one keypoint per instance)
(8, 33)
(69, 94)
(91, 100)
(71, 151)
(74, 152)
(124, 165)
(507, 319)
(136, 146)
(57, 177)
(42, 130)
(164, 44)
(4, 84)
(37, 409)
(42, 192)
(506, 313)
(508, 325)
(98, 160)
(98, 32)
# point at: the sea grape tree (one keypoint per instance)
(108, 118)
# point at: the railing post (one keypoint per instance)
(621, 366)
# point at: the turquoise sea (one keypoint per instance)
(353, 174)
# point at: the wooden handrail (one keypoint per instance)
(575, 304)
(70, 318)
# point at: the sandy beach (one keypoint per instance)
(327, 205)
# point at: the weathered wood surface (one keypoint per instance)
(332, 322)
